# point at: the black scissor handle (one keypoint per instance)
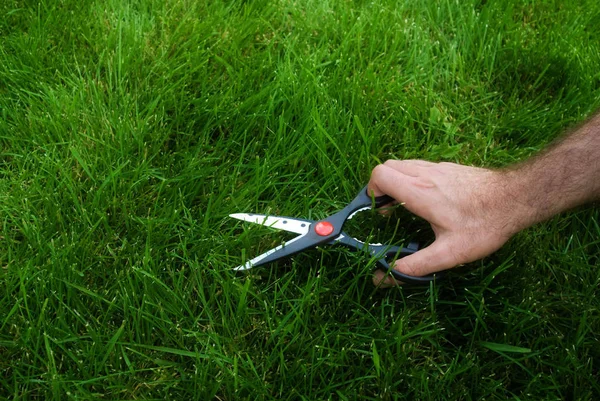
(364, 199)
(382, 252)
(385, 253)
(361, 201)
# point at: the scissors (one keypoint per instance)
(329, 231)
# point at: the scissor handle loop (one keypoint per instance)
(385, 253)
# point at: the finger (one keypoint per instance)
(387, 209)
(436, 257)
(413, 168)
(387, 181)
(383, 280)
(432, 259)
(407, 190)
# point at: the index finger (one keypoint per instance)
(387, 181)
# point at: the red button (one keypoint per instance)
(324, 228)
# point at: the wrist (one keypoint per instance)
(564, 176)
(515, 200)
(529, 190)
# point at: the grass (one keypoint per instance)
(129, 131)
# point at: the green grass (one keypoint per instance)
(129, 130)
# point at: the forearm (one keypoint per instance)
(565, 175)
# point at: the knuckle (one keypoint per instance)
(391, 163)
(377, 172)
(406, 267)
(447, 165)
(426, 182)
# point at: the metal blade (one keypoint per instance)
(256, 261)
(297, 226)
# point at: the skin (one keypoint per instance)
(474, 211)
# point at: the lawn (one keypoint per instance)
(131, 129)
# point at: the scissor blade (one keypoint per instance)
(281, 223)
(257, 260)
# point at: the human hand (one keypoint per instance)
(470, 211)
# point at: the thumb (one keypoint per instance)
(436, 257)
